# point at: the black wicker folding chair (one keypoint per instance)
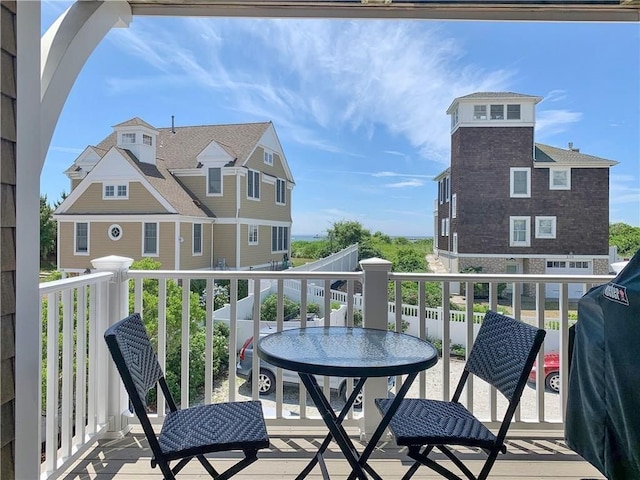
(190, 432)
(503, 355)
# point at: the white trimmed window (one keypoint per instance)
(497, 112)
(442, 227)
(545, 227)
(112, 191)
(454, 205)
(446, 227)
(81, 238)
(150, 239)
(447, 184)
(253, 234)
(253, 184)
(279, 239)
(454, 118)
(559, 179)
(479, 112)
(197, 239)
(513, 112)
(214, 181)
(147, 139)
(455, 242)
(519, 231)
(441, 191)
(268, 157)
(520, 182)
(281, 188)
(128, 138)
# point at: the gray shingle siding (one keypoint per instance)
(480, 176)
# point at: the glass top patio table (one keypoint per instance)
(347, 352)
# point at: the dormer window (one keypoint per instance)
(147, 140)
(497, 112)
(513, 112)
(128, 138)
(479, 112)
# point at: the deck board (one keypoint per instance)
(531, 456)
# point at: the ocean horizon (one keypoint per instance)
(315, 238)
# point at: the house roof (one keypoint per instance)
(180, 146)
(492, 95)
(546, 156)
(496, 95)
(135, 122)
(166, 184)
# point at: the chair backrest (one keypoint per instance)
(504, 352)
(133, 354)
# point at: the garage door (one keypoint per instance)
(562, 267)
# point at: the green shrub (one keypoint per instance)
(269, 308)
(480, 290)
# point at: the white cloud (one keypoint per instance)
(75, 150)
(414, 182)
(551, 122)
(308, 73)
(555, 96)
(395, 174)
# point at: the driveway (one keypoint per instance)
(528, 409)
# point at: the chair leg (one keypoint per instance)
(207, 466)
(167, 473)
(488, 465)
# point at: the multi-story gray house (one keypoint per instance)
(510, 205)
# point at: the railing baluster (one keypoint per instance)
(540, 385)
(279, 327)
(67, 372)
(564, 346)
(422, 333)
(255, 367)
(52, 382)
(81, 358)
(92, 379)
(162, 340)
(184, 353)
(233, 337)
(446, 342)
(208, 344)
(302, 392)
(493, 305)
(469, 337)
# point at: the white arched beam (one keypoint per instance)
(65, 47)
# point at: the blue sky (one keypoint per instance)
(359, 106)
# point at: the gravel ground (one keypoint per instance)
(433, 381)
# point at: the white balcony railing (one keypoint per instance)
(83, 400)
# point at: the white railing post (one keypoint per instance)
(375, 315)
(117, 400)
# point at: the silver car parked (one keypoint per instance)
(267, 375)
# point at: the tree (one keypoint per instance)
(408, 260)
(48, 231)
(345, 233)
(625, 237)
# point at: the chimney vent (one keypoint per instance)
(173, 128)
(572, 149)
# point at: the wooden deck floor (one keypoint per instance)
(532, 455)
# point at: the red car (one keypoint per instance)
(551, 372)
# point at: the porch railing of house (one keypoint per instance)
(83, 399)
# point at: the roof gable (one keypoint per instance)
(215, 153)
(546, 156)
